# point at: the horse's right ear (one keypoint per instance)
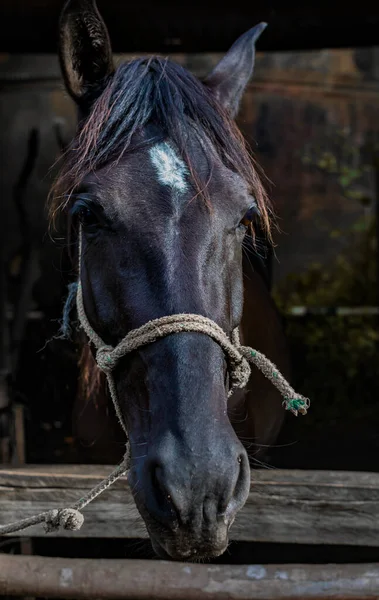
(85, 51)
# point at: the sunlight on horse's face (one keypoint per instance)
(150, 249)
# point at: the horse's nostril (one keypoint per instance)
(240, 492)
(160, 493)
(242, 487)
(162, 497)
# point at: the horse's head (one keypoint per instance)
(164, 189)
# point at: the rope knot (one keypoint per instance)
(239, 372)
(105, 359)
(68, 518)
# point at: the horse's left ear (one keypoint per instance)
(85, 51)
(230, 77)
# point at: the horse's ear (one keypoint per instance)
(230, 77)
(85, 51)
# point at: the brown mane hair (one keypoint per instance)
(155, 90)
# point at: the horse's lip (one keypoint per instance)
(183, 556)
(164, 555)
(160, 551)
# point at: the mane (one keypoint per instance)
(154, 91)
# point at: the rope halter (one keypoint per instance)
(238, 357)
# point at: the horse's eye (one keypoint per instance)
(249, 216)
(89, 213)
(87, 218)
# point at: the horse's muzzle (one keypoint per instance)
(189, 502)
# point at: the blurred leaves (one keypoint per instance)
(348, 164)
(335, 358)
(336, 366)
(349, 280)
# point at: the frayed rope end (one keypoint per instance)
(297, 405)
(64, 332)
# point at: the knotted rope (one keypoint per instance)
(107, 357)
(238, 357)
(69, 518)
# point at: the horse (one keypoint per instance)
(161, 193)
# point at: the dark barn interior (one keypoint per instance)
(168, 26)
(311, 116)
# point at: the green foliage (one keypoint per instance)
(335, 358)
(348, 280)
(336, 366)
(348, 164)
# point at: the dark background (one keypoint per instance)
(169, 25)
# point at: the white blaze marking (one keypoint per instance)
(170, 167)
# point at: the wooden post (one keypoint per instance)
(376, 171)
(18, 457)
(116, 579)
(4, 366)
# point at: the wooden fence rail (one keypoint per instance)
(311, 507)
(114, 579)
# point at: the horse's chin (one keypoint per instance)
(193, 554)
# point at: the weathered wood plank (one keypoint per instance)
(115, 579)
(312, 507)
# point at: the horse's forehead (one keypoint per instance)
(163, 163)
(158, 174)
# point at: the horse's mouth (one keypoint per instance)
(193, 554)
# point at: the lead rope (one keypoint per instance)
(107, 358)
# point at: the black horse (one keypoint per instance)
(165, 191)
